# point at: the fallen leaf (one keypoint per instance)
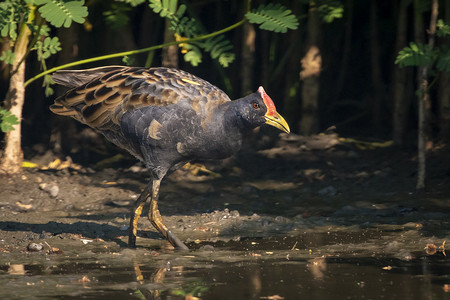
(53, 250)
(430, 249)
(387, 268)
(274, 297)
(84, 279)
(54, 164)
(202, 228)
(24, 206)
(16, 269)
(446, 288)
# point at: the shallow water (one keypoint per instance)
(341, 264)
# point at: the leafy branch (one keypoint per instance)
(420, 55)
(277, 18)
(133, 52)
(273, 17)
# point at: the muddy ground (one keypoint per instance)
(292, 184)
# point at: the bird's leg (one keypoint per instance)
(155, 218)
(136, 214)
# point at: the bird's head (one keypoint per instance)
(257, 109)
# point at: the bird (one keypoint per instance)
(165, 117)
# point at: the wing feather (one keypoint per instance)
(99, 97)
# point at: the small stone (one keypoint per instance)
(329, 191)
(53, 191)
(207, 248)
(35, 247)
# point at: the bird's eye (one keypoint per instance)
(255, 105)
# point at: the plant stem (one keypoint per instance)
(133, 52)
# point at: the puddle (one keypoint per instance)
(340, 264)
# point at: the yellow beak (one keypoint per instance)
(276, 120)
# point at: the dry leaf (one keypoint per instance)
(84, 279)
(202, 228)
(387, 268)
(16, 269)
(24, 206)
(274, 297)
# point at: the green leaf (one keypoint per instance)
(443, 63)
(218, 48)
(416, 54)
(7, 57)
(443, 29)
(47, 84)
(329, 12)
(165, 8)
(226, 58)
(116, 17)
(60, 13)
(7, 120)
(134, 3)
(11, 13)
(194, 55)
(128, 60)
(273, 17)
(47, 47)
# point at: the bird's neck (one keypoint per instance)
(233, 119)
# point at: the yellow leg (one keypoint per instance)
(155, 218)
(135, 215)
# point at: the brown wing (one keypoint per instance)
(107, 93)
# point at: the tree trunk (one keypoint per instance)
(11, 161)
(424, 100)
(344, 64)
(398, 92)
(247, 58)
(169, 54)
(444, 91)
(377, 82)
(311, 68)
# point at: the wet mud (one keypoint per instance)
(315, 218)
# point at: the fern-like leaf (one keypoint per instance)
(193, 54)
(47, 84)
(60, 13)
(226, 58)
(330, 11)
(186, 27)
(47, 47)
(273, 17)
(7, 120)
(414, 55)
(165, 8)
(11, 13)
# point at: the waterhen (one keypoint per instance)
(165, 118)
